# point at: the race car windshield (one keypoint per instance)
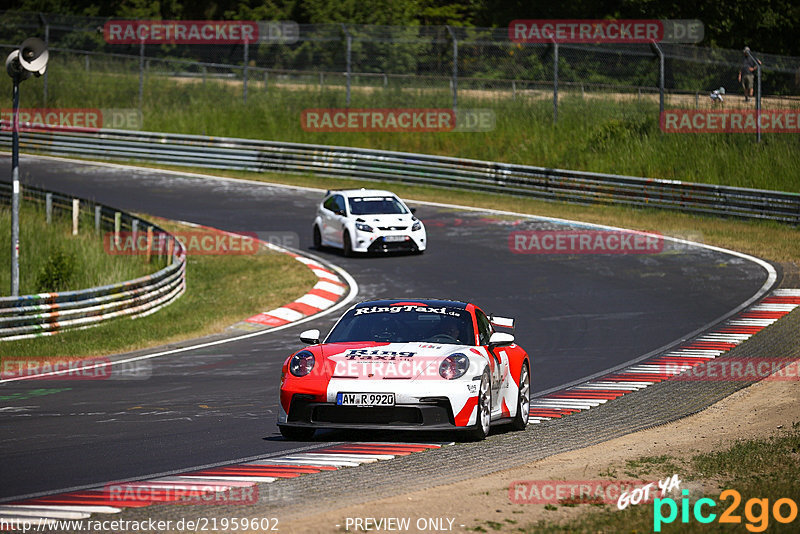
(376, 206)
(405, 324)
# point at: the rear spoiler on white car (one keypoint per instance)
(503, 322)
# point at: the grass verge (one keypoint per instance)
(221, 290)
(760, 469)
(52, 259)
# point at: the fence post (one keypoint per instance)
(349, 40)
(513, 89)
(134, 230)
(244, 70)
(555, 82)
(76, 214)
(117, 225)
(85, 62)
(758, 95)
(149, 242)
(48, 207)
(697, 100)
(98, 210)
(266, 80)
(141, 74)
(454, 83)
(660, 55)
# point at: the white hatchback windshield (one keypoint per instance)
(376, 206)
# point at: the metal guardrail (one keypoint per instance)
(358, 163)
(48, 313)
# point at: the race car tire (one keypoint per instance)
(480, 429)
(520, 420)
(317, 238)
(296, 433)
(347, 245)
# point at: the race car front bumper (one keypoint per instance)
(432, 413)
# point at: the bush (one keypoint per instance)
(56, 273)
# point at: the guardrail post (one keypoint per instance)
(98, 212)
(48, 207)
(149, 242)
(117, 225)
(76, 215)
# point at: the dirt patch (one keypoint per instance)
(754, 412)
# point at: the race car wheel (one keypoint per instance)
(296, 433)
(348, 246)
(481, 428)
(523, 399)
(317, 238)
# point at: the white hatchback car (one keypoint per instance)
(367, 220)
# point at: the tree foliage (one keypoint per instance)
(764, 25)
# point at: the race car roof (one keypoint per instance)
(412, 301)
(365, 193)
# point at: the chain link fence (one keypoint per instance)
(382, 66)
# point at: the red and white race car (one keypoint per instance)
(407, 365)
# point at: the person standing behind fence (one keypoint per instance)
(747, 73)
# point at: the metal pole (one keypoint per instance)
(555, 82)
(141, 75)
(454, 84)
(15, 190)
(660, 54)
(758, 96)
(47, 43)
(349, 58)
(244, 71)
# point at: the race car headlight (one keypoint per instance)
(363, 227)
(301, 363)
(454, 366)
(416, 227)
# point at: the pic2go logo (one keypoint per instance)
(756, 521)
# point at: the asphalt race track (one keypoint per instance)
(576, 315)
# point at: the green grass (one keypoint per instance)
(597, 134)
(52, 259)
(767, 468)
(221, 290)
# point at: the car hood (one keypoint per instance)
(402, 361)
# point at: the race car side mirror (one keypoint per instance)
(310, 337)
(413, 210)
(501, 339)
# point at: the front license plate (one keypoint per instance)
(365, 399)
(394, 238)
